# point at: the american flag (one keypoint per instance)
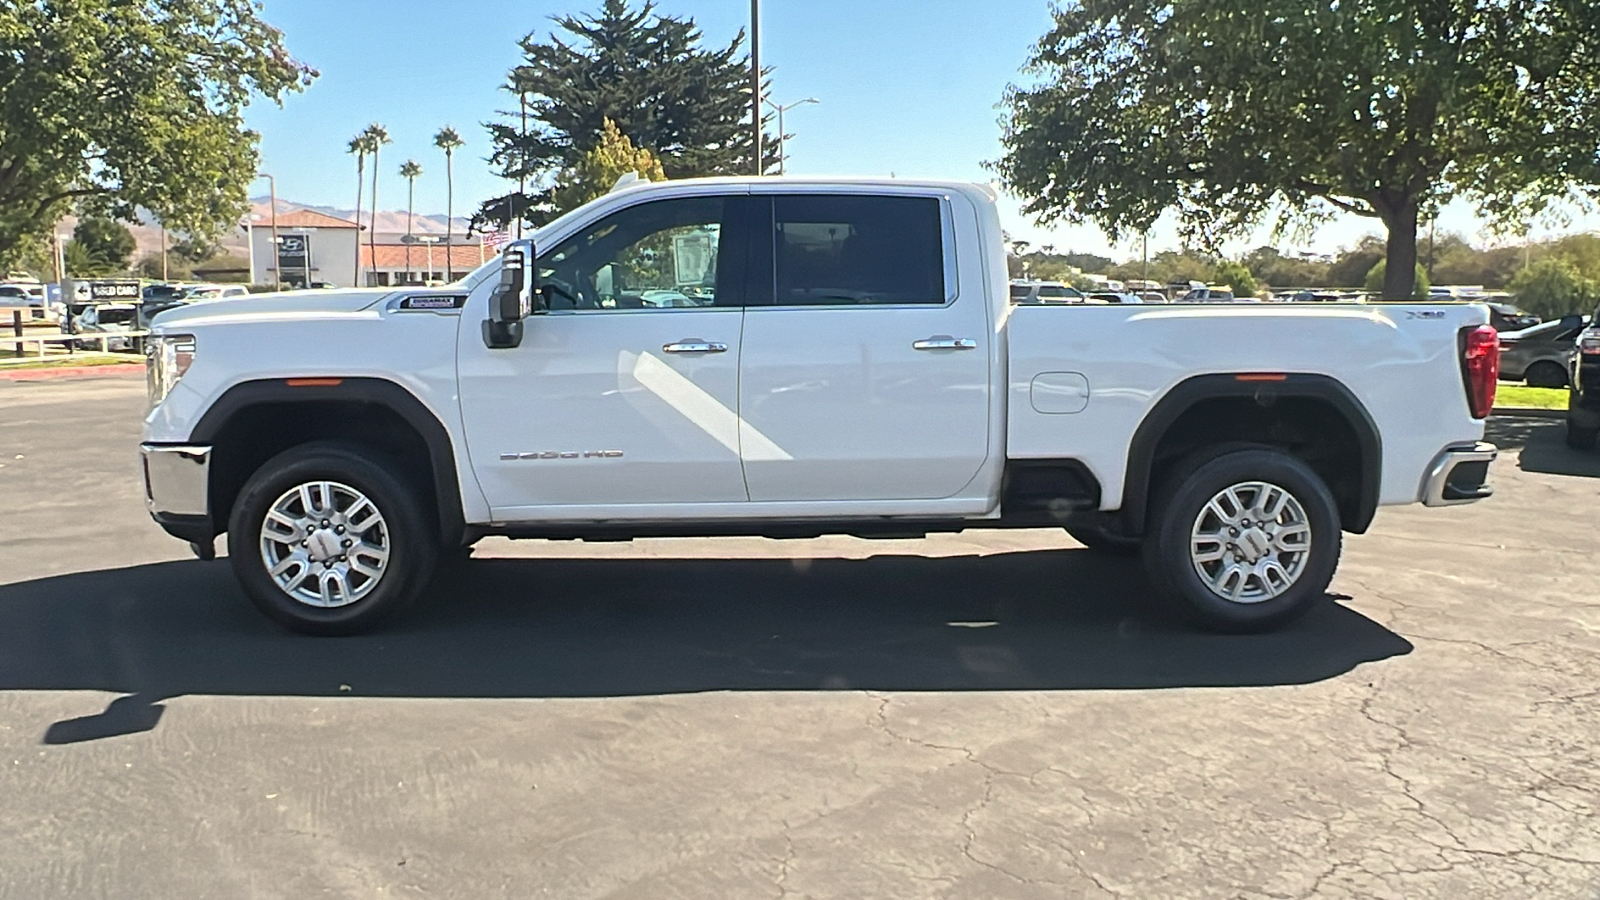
(494, 240)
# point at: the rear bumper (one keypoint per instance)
(176, 489)
(1460, 475)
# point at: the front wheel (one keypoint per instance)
(326, 541)
(1243, 540)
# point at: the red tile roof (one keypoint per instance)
(463, 258)
(302, 218)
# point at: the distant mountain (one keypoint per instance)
(388, 222)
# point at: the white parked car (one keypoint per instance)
(858, 368)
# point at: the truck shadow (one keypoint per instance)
(1543, 446)
(504, 628)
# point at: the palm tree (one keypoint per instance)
(410, 172)
(359, 147)
(376, 136)
(448, 141)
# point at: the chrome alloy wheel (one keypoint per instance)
(1251, 542)
(325, 544)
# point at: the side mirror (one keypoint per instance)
(513, 298)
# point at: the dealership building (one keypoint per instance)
(314, 248)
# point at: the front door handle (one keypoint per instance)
(945, 342)
(695, 345)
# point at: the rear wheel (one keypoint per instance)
(1546, 374)
(1243, 540)
(326, 541)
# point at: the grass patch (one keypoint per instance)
(76, 361)
(1520, 397)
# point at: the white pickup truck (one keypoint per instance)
(789, 358)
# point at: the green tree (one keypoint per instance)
(598, 170)
(1236, 275)
(650, 74)
(1376, 108)
(1350, 268)
(126, 104)
(106, 245)
(1279, 271)
(1551, 288)
(192, 250)
(1377, 277)
(449, 141)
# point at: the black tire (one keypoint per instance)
(1579, 438)
(411, 542)
(1183, 496)
(1546, 374)
(1097, 536)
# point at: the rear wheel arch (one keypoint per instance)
(255, 420)
(1314, 414)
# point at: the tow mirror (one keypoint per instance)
(513, 298)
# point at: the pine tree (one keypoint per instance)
(650, 74)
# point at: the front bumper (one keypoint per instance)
(177, 480)
(1460, 475)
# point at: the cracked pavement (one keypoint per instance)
(983, 715)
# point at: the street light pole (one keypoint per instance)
(755, 81)
(272, 186)
(783, 157)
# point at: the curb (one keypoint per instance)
(118, 369)
(1519, 412)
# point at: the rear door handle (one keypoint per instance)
(695, 345)
(945, 342)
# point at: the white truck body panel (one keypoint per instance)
(816, 411)
(1404, 370)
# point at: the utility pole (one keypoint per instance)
(163, 251)
(783, 157)
(272, 186)
(755, 80)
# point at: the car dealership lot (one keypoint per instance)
(982, 715)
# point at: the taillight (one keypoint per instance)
(1480, 367)
(1589, 343)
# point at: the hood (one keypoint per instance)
(264, 307)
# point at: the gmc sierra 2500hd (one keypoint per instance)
(794, 357)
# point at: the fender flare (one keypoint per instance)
(376, 391)
(1184, 395)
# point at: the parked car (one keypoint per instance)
(15, 295)
(346, 442)
(108, 318)
(1506, 317)
(1583, 405)
(1033, 292)
(215, 291)
(1209, 294)
(1541, 355)
(1113, 297)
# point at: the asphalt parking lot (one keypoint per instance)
(984, 715)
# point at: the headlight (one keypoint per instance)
(167, 357)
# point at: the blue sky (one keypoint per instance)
(908, 87)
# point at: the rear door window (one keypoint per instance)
(843, 249)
